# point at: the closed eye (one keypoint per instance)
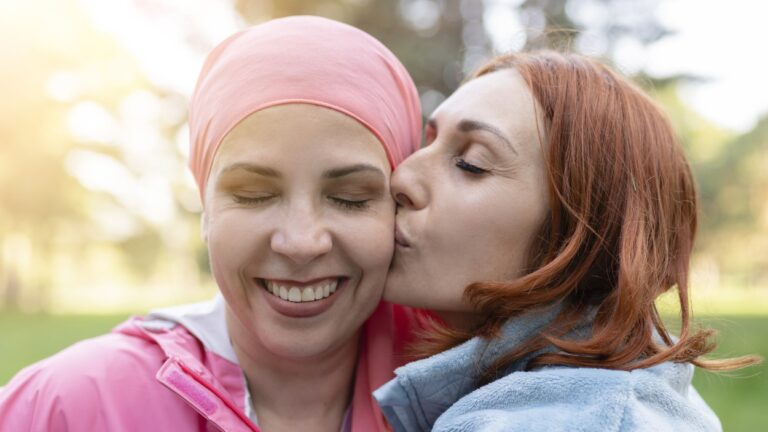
(252, 200)
(350, 204)
(469, 168)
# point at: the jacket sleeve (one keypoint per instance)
(43, 397)
(82, 388)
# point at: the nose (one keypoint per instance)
(408, 184)
(301, 236)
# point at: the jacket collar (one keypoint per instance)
(424, 389)
(207, 382)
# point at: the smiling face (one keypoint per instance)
(298, 221)
(472, 200)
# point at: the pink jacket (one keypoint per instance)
(162, 379)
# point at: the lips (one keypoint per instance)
(400, 238)
(302, 299)
(305, 292)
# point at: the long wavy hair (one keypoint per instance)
(619, 232)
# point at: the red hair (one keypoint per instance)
(619, 232)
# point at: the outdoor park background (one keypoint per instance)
(98, 214)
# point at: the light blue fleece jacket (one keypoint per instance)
(439, 393)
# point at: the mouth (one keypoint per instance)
(302, 292)
(400, 239)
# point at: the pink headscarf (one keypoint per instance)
(318, 61)
(302, 59)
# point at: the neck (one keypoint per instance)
(306, 393)
(461, 321)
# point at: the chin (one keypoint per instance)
(404, 295)
(293, 347)
(395, 291)
(404, 289)
(421, 294)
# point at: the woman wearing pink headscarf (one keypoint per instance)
(296, 125)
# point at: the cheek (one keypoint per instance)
(232, 239)
(515, 232)
(370, 242)
(486, 236)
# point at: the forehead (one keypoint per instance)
(501, 98)
(294, 130)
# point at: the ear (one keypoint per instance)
(204, 227)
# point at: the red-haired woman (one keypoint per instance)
(551, 207)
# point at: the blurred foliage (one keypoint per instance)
(734, 194)
(72, 106)
(730, 171)
(562, 25)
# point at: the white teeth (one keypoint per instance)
(304, 294)
(294, 295)
(308, 294)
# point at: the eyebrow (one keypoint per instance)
(253, 168)
(332, 173)
(335, 173)
(467, 125)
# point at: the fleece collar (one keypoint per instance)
(424, 389)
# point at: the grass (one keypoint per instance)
(24, 339)
(739, 398)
